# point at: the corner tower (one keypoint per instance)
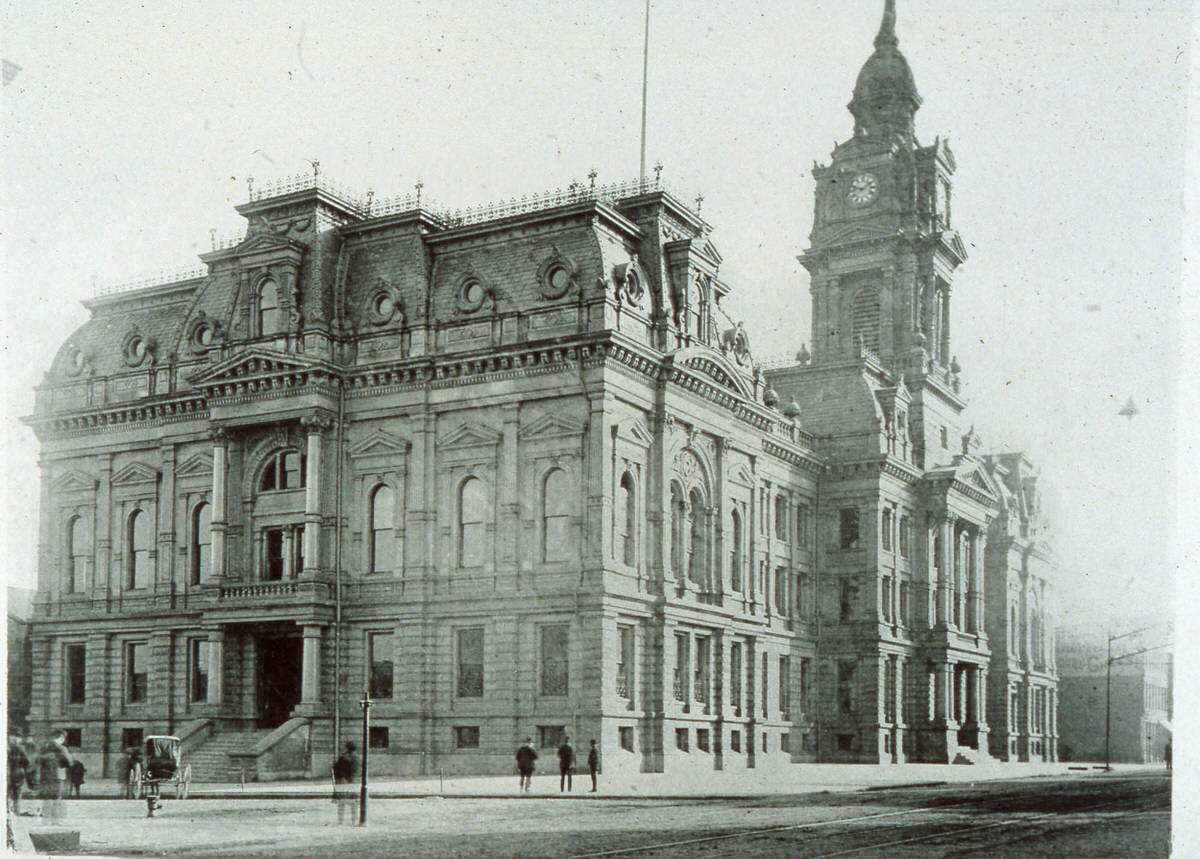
(883, 251)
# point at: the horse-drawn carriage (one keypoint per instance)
(161, 764)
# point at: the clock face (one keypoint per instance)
(863, 189)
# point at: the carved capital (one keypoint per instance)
(219, 436)
(318, 422)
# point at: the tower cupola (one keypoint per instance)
(885, 95)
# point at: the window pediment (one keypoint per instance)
(550, 425)
(73, 481)
(379, 443)
(135, 473)
(470, 435)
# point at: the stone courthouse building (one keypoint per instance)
(512, 472)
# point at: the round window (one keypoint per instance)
(558, 281)
(204, 335)
(78, 360)
(384, 306)
(471, 295)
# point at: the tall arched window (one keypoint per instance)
(270, 317)
(865, 323)
(383, 542)
(697, 545)
(201, 546)
(472, 508)
(137, 550)
(735, 551)
(78, 547)
(678, 514)
(556, 516)
(627, 520)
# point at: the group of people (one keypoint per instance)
(527, 756)
(50, 771)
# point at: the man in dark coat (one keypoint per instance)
(525, 758)
(566, 764)
(76, 773)
(594, 764)
(18, 763)
(345, 773)
(55, 764)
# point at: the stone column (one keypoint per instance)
(165, 562)
(975, 596)
(945, 528)
(941, 692)
(310, 679)
(313, 493)
(103, 530)
(216, 662)
(220, 521)
(508, 492)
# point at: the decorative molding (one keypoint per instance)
(470, 434)
(73, 481)
(135, 472)
(550, 425)
(200, 465)
(379, 442)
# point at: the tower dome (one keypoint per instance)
(885, 95)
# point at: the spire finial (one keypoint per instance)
(887, 27)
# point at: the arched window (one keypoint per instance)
(678, 514)
(270, 317)
(556, 510)
(472, 507)
(697, 545)
(383, 542)
(735, 551)
(283, 470)
(866, 318)
(137, 550)
(201, 547)
(625, 517)
(78, 548)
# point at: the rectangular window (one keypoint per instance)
(131, 738)
(625, 662)
(905, 536)
(554, 660)
(135, 673)
(845, 686)
(735, 677)
(885, 597)
(702, 741)
(681, 739)
(848, 593)
(75, 657)
(845, 742)
(625, 737)
(764, 741)
(905, 603)
(806, 686)
(765, 708)
(682, 661)
(470, 663)
(377, 737)
(781, 517)
(379, 658)
(781, 600)
(945, 438)
(802, 516)
(273, 554)
(889, 690)
(466, 736)
(785, 743)
(848, 527)
(703, 661)
(785, 684)
(74, 738)
(551, 736)
(735, 741)
(885, 530)
(199, 656)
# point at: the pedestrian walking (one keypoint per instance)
(55, 765)
(566, 764)
(593, 764)
(1167, 755)
(345, 772)
(76, 773)
(18, 764)
(526, 755)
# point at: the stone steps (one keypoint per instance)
(211, 763)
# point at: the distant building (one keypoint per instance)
(20, 656)
(1140, 698)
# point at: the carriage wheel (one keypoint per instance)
(183, 782)
(135, 781)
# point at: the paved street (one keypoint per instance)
(1079, 815)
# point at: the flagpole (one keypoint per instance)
(645, 77)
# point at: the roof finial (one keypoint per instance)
(887, 27)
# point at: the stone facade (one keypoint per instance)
(506, 471)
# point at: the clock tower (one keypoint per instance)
(883, 251)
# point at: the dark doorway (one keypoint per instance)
(279, 666)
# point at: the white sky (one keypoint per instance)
(128, 133)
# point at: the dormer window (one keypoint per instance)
(284, 470)
(270, 315)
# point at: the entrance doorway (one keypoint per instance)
(279, 666)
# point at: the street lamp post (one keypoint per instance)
(1108, 686)
(365, 703)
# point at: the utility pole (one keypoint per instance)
(365, 703)
(1108, 684)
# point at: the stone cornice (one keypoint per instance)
(120, 416)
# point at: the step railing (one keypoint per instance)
(285, 753)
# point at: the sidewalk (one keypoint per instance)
(798, 778)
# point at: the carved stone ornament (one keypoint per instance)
(630, 281)
(556, 276)
(384, 304)
(79, 362)
(472, 294)
(136, 349)
(203, 333)
(736, 342)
